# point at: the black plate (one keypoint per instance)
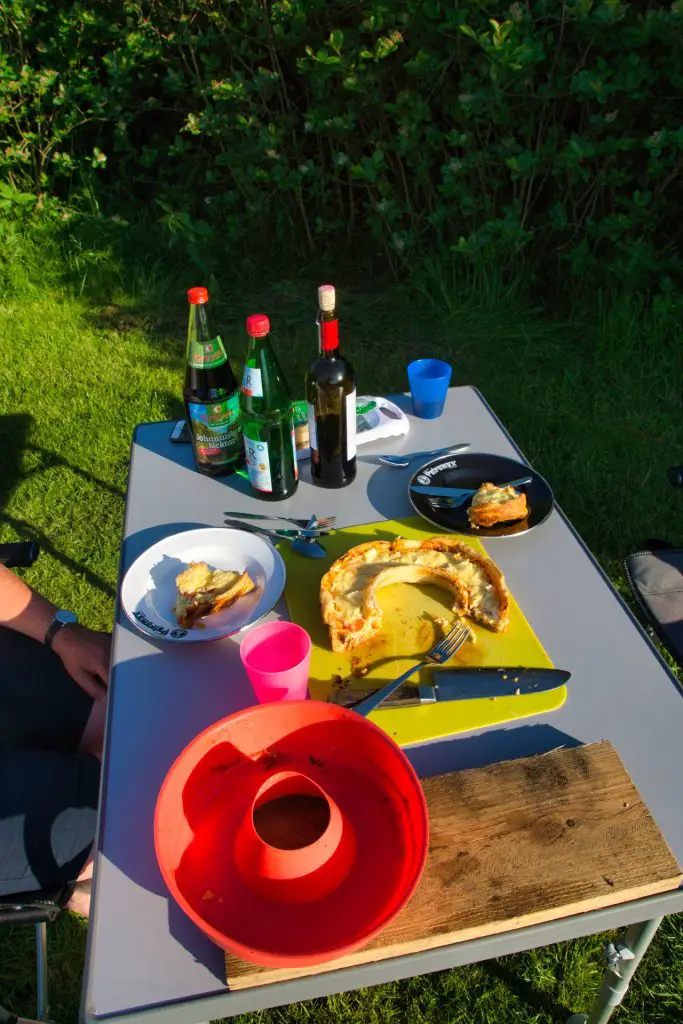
(471, 470)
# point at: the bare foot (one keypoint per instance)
(80, 899)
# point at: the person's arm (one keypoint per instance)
(84, 653)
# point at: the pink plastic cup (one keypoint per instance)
(276, 656)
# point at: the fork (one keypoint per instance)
(300, 533)
(405, 458)
(304, 542)
(461, 498)
(318, 522)
(439, 654)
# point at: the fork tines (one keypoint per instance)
(436, 502)
(453, 639)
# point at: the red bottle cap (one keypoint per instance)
(198, 296)
(258, 325)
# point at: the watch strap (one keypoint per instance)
(54, 628)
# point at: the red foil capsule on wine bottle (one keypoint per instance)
(198, 296)
(329, 335)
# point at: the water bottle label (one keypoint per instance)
(252, 385)
(351, 426)
(258, 464)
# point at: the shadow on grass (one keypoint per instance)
(15, 429)
(30, 532)
(543, 1002)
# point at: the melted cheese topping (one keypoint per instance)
(489, 494)
(352, 582)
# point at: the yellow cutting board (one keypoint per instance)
(408, 613)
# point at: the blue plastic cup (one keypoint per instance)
(429, 380)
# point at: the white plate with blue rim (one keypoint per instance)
(149, 591)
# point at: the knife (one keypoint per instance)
(465, 684)
(458, 492)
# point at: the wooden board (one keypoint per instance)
(515, 844)
(408, 613)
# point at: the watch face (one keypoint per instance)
(66, 617)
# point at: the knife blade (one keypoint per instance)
(442, 492)
(473, 683)
(465, 684)
(460, 492)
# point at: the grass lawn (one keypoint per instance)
(594, 402)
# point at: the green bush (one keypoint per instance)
(540, 130)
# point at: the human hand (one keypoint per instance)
(85, 656)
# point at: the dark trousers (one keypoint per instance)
(48, 791)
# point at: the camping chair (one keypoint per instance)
(36, 908)
(655, 576)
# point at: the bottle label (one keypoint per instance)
(216, 430)
(252, 384)
(351, 426)
(206, 355)
(258, 464)
(312, 433)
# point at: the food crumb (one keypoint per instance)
(316, 761)
(208, 895)
(359, 670)
(504, 675)
(517, 692)
(268, 759)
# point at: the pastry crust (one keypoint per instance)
(348, 590)
(203, 591)
(492, 505)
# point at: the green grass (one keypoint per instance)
(594, 401)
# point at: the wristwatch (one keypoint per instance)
(60, 620)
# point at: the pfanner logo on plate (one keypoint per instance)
(177, 634)
(427, 475)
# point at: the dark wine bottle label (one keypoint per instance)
(351, 425)
(216, 431)
(206, 355)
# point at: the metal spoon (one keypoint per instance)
(405, 458)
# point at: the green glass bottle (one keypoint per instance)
(266, 417)
(211, 394)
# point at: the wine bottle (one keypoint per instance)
(331, 398)
(211, 394)
(267, 417)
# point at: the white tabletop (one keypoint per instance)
(144, 955)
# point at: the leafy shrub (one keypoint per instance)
(540, 129)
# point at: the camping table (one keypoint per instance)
(145, 958)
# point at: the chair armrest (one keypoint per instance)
(34, 907)
(19, 555)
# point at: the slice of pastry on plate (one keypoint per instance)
(492, 505)
(203, 591)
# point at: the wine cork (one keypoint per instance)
(326, 297)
